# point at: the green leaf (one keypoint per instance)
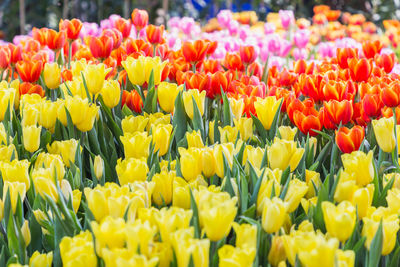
(179, 119)
(197, 118)
(86, 88)
(195, 217)
(375, 249)
(275, 123)
(226, 110)
(260, 129)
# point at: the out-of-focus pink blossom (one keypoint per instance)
(326, 49)
(244, 32)
(285, 47)
(233, 27)
(301, 38)
(89, 28)
(269, 28)
(174, 22)
(299, 53)
(224, 17)
(287, 18)
(273, 43)
(276, 61)
(264, 53)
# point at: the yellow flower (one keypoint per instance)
(194, 139)
(190, 163)
(269, 182)
(246, 235)
(339, 220)
(211, 136)
(283, 154)
(180, 193)
(277, 251)
(77, 66)
(207, 161)
(97, 203)
(66, 149)
(17, 190)
(94, 76)
(388, 176)
(16, 171)
(316, 250)
(48, 114)
(245, 126)
(181, 243)
(171, 219)
(384, 133)
(131, 169)
(345, 258)
(139, 69)
(200, 252)
(237, 107)
(132, 124)
(390, 226)
(52, 162)
(136, 145)
(8, 152)
(78, 251)
(162, 193)
(273, 215)
(110, 233)
(76, 199)
(230, 256)
(74, 87)
(312, 179)
(26, 233)
(266, 109)
(82, 112)
(199, 98)
(167, 93)
(220, 151)
(52, 75)
(228, 134)
(287, 132)
(31, 137)
(156, 119)
(7, 97)
(362, 198)
(161, 138)
(296, 191)
(45, 187)
(392, 198)
(111, 93)
(359, 165)
(253, 155)
(30, 115)
(98, 167)
(41, 260)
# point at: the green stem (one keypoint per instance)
(194, 67)
(395, 151)
(69, 53)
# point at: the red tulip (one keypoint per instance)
(155, 34)
(343, 54)
(40, 35)
(116, 36)
(247, 54)
(124, 26)
(132, 100)
(73, 27)
(5, 57)
(360, 69)
(307, 123)
(194, 52)
(370, 48)
(101, 47)
(29, 71)
(339, 112)
(372, 105)
(386, 61)
(55, 40)
(349, 140)
(140, 18)
(27, 88)
(390, 94)
(15, 53)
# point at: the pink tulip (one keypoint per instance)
(287, 18)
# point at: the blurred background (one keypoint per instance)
(19, 16)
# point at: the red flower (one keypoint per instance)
(194, 52)
(116, 36)
(132, 100)
(307, 123)
(349, 140)
(29, 71)
(343, 54)
(29, 88)
(73, 27)
(40, 35)
(247, 54)
(385, 61)
(55, 40)
(140, 18)
(155, 34)
(5, 57)
(138, 45)
(390, 94)
(124, 26)
(339, 112)
(372, 105)
(360, 69)
(101, 47)
(15, 53)
(212, 46)
(370, 48)
(233, 62)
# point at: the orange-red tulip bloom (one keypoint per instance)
(247, 54)
(390, 94)
(15, 53)
(343, 54)
(349, 140)
(5, 57)
(155, 34)
(307, 123)
(116, 36)
(370, 48)
(386, 61)
(124, 26)
(55, 40)
(233, 62)
(29, 88)
(140, 18)
(73, 27)
(29, 71)
(372, 105)
(339, 112)
(360, 69)
(194, 52)
(132, 100)
(101, 47)
(40, 35)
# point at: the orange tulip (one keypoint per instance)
(73, 28)
(40, 35)
(390, 95)
(212, 46)
(300, 67)
(339, 112)
(332, 15)
(101, 47)
(337, 90)
(233, 62)
(124, 26)
(132, 46)
(140, 18)
(29, 71)
(343, 54)
(66, 75)
(372, 105)
(371, 48)
(307, 123)
(132, 100)
(55, 40)
(15, 53)
(115, 35)
(321, 9)
(155, 34)
(388, 113)
(349, 140)
(194, 52)
(385, 61)
(29, 88)
(5, 58)
(360, 69)
(247, 54)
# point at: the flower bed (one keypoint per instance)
(239, 143)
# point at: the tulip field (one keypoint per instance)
(239, 141)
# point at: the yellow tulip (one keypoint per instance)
(200, 252)
(390, 227)
(132, 124)
(161, 138)
(277, 251)
(82, 112)
(362, 198)
(316, 250)
(7, 97)
(273, 215)
(266, 109)
(171, 219)
(131, 169)
(16, 171)
(339, 220)
(156, 119)
(139, 69)
(66, 149)
(230, 256)
(17, 190)
(30, 115)
(78, 66)
(111, 93)
(211, 131)
(267, 184)
(78, 251)
(388, 176)
(31, 137)
(237, 107)
(199, 98)
(181, 241)
(207, 161)
(8, 152)
(26, 233)
(110, 233)
(253, 155)
(164, 254)
(166, 94)
(97, 203)
(312, 179)
(95, 75)
(75, 87)
(76, 199)
(41, 260)
(228, 134)
(345, 258)
(190, 163)
(220, 151)
(283, 154)
(45, 187)
(246, 235)
(287, 132)
(162, 193)
(136, 145)
(359, 165)
(98, 167)
(48, 114)
(194, 139)
(180, 193)
(245, 126)
(52, 75)
(296, 191)
(52, 162)
(384, 133)
(392, 198)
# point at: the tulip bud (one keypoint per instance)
(273, 215)
(43, 260)
(136, 145)
(237, 107)
(194, 139)
(360, 166)
(190, 163)
(26, 233)
(161, 138)
(131, 169)
(98, 166)
(17, 190)
(95, 76)
(31, 136)
(199, 98)
(228, 134)
(384, 133)
(297, 190)
(245, 126)
(30, 115)
(277, 251)
(162, 194)
(111, 93)
(40, 216)
(266, 109)
(52, 75)
(166, 94)
(132, 124)
(180, 193)
(45, 186)
(207, 162)
(283, 154)
(287, 133)
(246, 235)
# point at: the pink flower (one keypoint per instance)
(233, 27)
(224, 17)
(264, 53)
(301, 38)
(287, 18)
(269, 28)
(285, 47)
(299, 53)
(326, 49)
